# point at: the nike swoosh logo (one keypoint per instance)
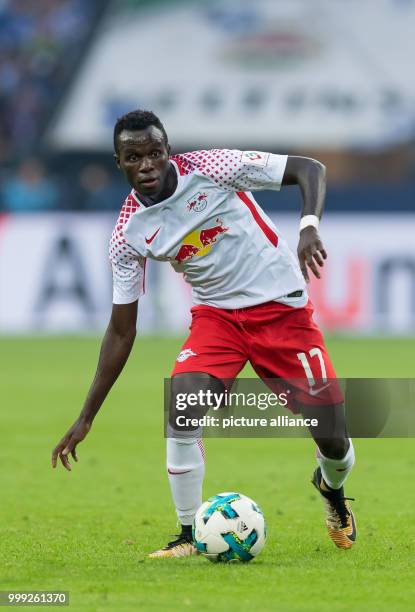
(317, 391)
(150, 240)
(177, 473)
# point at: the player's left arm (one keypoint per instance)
(310, 175)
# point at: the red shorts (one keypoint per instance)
(280, 342)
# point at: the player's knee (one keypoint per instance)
(191, 382)
(188, 399)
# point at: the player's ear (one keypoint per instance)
(168, 149)
(117, 160)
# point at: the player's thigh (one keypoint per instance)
(291, 348)
(191, 396)
(214, 346)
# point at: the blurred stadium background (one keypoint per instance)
(330, 78)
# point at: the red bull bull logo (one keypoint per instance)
(199, 242)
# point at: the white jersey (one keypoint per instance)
(212, 230)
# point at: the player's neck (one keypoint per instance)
(169, 187)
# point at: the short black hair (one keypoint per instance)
(137, 120)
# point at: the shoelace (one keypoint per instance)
(338, 512)
(180, 539)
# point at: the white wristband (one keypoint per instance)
(309, 220)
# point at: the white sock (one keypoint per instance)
(186, 469)
(335, 471)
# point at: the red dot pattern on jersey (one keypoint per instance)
(224, 166)
(126, 262)
(118, 245)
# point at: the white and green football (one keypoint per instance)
(229, 527)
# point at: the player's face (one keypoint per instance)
(143, 156)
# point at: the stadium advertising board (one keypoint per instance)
(258, 74)
(55, 275)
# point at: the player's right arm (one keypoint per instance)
(115, 349)
(128, 284)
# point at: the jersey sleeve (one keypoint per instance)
(235, 170)
(128, 267)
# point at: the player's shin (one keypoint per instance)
(186, 470)
(335, 471)
(335, 452)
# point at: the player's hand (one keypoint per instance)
(67, 446)
(311, 252)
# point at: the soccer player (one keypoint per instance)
(196, 211)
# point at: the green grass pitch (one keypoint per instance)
(89, 531)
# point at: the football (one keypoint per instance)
(229, 527)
